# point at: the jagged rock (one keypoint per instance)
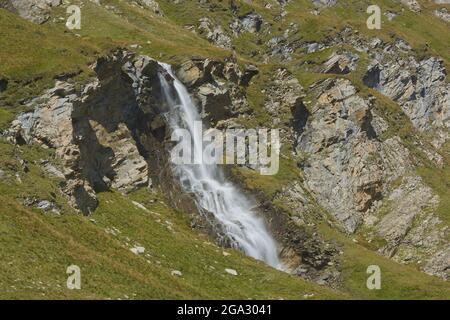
(45, 205)
(153, 5)
(52, 171)
(36, 11)
(93, 130)
(390, 15)
(189, 73)
(438, 264)
(283, 97)
(341, 63)
(214, 33)
(215, 102)
(413, 5)
(442, 13)
(279, 47)
(250, 22)
(324, 3)
(420, 88)
(345, 166)
(412, 229)
(395, 225)
(313, 47)
(249, 72)
(217, 86)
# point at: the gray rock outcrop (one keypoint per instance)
(37, 11)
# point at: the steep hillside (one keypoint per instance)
(364, 173)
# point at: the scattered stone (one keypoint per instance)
(442, 13)
(324, 3)
(51, 170)
(390, 15)
(137, 250)
(250, 22)
(231, 271)
(176, 273)
(45, 205)
(341, 63)
(214, 33)
(154, 6)
(140, 206)
(413, 5)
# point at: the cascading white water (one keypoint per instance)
(212, 191)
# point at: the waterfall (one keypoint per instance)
(213, 193)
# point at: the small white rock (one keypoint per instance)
(176, 273)
(231, 271)
(226, 254)
(140, 206)
(138, 250)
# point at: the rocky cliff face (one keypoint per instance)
(95, 130)
(419, 87)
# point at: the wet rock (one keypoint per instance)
(215, 102)
(189, 73)
(218, 87)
